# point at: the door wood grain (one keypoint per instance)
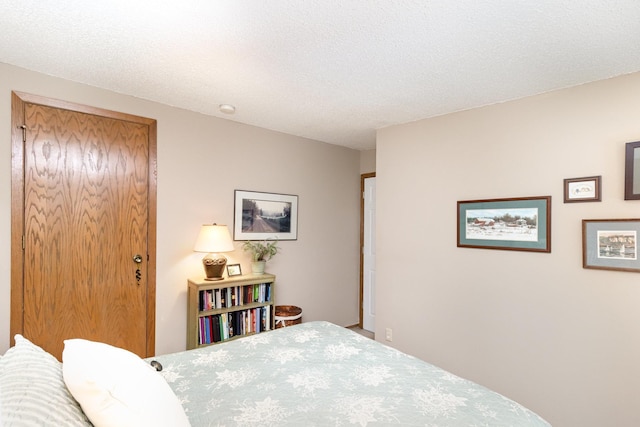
(88, 206)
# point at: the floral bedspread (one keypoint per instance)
(320, 374)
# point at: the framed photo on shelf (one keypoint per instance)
(261, 216)
(516, 224)
(610, 244)
(234, 270)
(585, 189)
(632, 171)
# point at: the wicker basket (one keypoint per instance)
(287, 315)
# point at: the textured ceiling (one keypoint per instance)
(330, 70)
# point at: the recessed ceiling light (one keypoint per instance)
(227, 108)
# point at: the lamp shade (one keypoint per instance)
(214, 238)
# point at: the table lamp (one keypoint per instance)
(213, 239)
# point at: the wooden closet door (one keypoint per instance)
(86, 215)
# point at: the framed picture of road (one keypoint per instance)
(516, 224)
(260, 216)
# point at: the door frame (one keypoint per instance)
(363, 177)
(18, 99)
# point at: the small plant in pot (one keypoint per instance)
(261, 252)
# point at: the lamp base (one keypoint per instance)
(214, 266)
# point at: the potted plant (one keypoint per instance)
(261, 252)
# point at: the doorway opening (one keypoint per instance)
(367, 251)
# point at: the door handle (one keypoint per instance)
(137, 258)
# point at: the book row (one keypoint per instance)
(233, 296)
(220, 327)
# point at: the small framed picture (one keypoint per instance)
(234, 270)
(610, 244)
(585, 189)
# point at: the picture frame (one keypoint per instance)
(632, 171)
(262, 216)
(515, 224)
(611, 244)
(585, 189)
(234, 270)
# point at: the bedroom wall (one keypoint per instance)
(537, 327)
(319, 272)
(367, 161)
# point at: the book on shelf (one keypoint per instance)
(216, 328)
(217, 297)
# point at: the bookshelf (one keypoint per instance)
(227, 309)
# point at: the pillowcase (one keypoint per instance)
(32, 391)
(117, 388)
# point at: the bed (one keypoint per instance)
(310, 374)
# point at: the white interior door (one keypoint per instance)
(369, 256)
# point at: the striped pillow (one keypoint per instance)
(32, 391)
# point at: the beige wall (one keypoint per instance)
(367, 161)
(201, 161)
(563, 340)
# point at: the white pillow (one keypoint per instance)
(117, 388)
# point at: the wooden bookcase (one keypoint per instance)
(237, 306)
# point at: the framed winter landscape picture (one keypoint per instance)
(516, 224)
